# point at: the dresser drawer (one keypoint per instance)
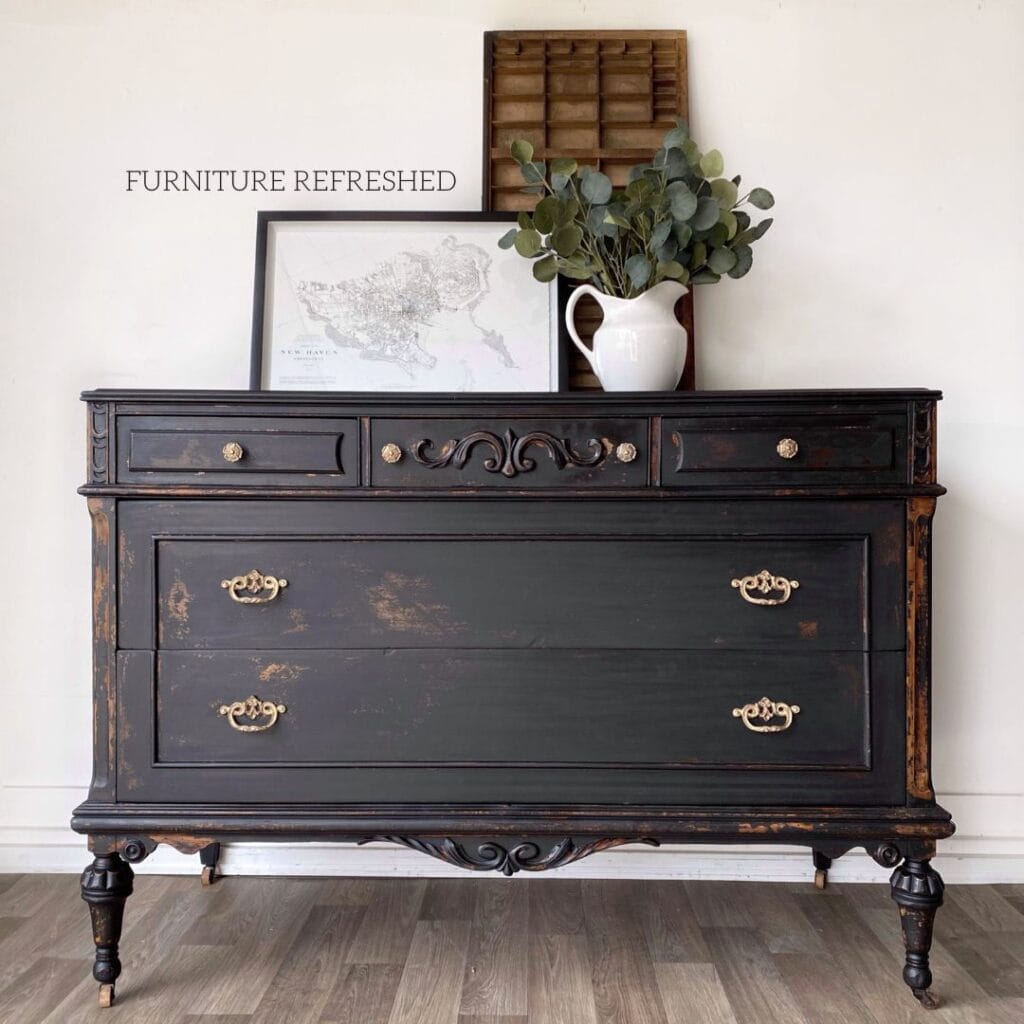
(512, 453)
(660, 726)
(238, 450)
(512, 708)
(512, 574)
(728, 592)
(818, 449)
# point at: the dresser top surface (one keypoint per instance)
(659, 400)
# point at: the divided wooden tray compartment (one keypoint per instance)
(605, 98)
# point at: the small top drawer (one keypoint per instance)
(799, 449)
(516, 453)
(251, 451)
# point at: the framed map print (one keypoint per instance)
(398, 302)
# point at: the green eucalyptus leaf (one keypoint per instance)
(660, 159)
(728, 219)
(675, 137)
(596, 187)
(683, 233)
(761, 198)
(725, 192)
(566, 240)
(706, 277)
(567, 210)
(671, 268)
(660, 233)
(676, 165)
(760, 229)
(614, 218)
(564, 165)
(706, 215)
(544, 214)
(681, 123)
(718, 235)
(532, 173)
(736, 181)
(682, 202)
(722, 260)
(667, 250)
(524, 220)
(508, 239)
(638, 268)
(744, 259)
(698, 255)
(712, 164)
(595, 218)
(577, 273)
(522, 151)
(546, 270)
(559, 181)
(691, 152)
(528, 242)
(742, 219)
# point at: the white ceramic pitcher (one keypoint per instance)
(640, 346)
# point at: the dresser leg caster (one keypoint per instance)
(209, 856)
(917, 890)
(821, 866)
(106, 884)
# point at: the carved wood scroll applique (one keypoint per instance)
(492, 856)
(509, 452)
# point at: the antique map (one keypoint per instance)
(431, 306)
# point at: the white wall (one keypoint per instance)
(889, 130)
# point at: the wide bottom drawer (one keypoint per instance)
(513, 708)
(510, 726)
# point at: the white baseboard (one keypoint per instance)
(961, 860)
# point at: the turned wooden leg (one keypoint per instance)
(209, 855)
(106, 884)
(917, 890)
(821, 866)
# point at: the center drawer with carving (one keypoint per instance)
(517, 453)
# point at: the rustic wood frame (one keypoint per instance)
(667, 99)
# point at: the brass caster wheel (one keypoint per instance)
(106, 995)
(209, 875)
(820, 878)
(926, 999)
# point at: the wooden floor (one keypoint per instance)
(481, 950)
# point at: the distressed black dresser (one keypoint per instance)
(512, 631)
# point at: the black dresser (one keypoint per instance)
(510, 631)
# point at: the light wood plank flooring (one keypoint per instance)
(479, 950)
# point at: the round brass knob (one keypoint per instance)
(391, 453)
(625, 452)
(787, 448)
(232, 452)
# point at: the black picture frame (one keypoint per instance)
(265, 218)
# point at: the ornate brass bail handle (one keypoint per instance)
(254, 587)
(765, 583)
(252, 708)
(765, 710)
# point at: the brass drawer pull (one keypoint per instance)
(764, 583)
(391, 453)
(252, 708)
(625, 452)
(787, 448)
(249, 589)
(766, 709)
(232, 452)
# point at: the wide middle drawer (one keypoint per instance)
(513, 592)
